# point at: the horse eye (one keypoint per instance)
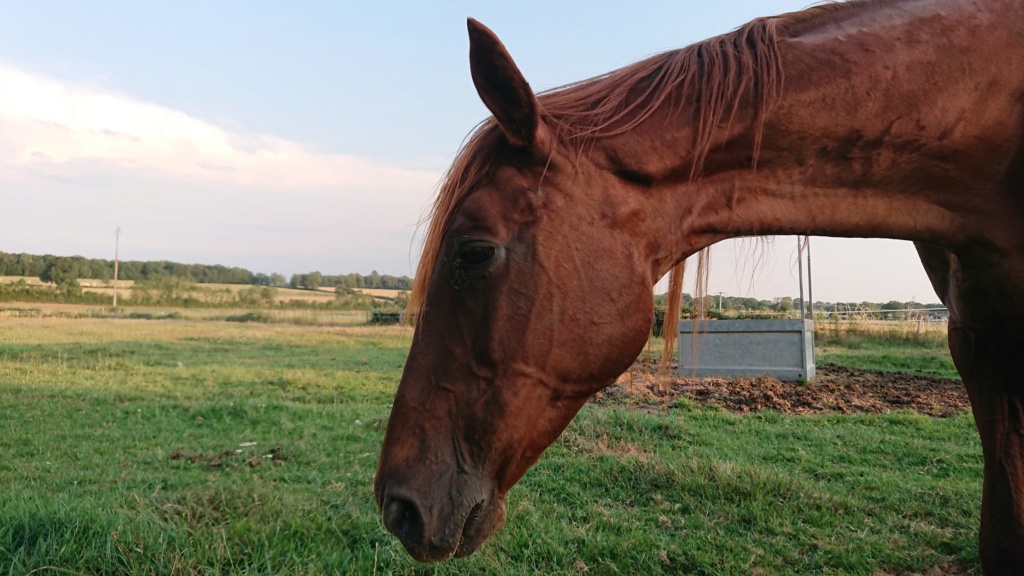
(476, 254)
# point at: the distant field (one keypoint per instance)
(85, 282)
(375, 292)
(273, 316)
(31, 280)
(203, 447)
(206, 292)
(381, 293)
(915, 347)
(283, 293)
(892, 329)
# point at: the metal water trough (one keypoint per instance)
(781, 349)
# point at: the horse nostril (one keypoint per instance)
(402, 518)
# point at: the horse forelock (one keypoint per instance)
(711, 79)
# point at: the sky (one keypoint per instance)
(311, 135)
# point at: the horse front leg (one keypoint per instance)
(986, 362)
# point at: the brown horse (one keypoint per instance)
(893, 119)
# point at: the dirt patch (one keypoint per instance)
(835, 389)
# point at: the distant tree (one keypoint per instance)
(64, 273)
(751, 304)
(8, 263)
(70, 287)
(313, 281)
(784, 304)
(706, 304)
(151, 271)
(347, 281)
(58, 271)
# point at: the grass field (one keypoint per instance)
(204, 291)
(207, 291)
(872, 354)
(916, 347)
(207, 447)
(273, 316)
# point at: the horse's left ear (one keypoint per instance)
(502, 87)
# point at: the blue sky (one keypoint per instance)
(290, 137)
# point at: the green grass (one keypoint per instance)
(929, 357)
(91, 412)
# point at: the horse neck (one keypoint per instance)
(878, 133)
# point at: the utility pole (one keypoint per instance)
(719, 301)
(800, 268)
(810, 281)
(117, 245)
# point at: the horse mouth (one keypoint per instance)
(468, 546)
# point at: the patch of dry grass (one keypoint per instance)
(917, 330)
(381, 293)
(56, 330)
(211, 292)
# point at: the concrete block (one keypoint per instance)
(781, 349)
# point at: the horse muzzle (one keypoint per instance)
(451, 526)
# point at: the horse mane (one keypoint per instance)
(715, 77)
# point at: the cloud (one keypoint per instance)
(74, 156)
(46, 122)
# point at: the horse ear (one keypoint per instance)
(502, 87)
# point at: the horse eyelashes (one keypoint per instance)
(456, 273)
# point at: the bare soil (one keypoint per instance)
(835, 389)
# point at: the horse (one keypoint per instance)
(868, 118)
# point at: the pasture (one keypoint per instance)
(208, 292)
(199, 446)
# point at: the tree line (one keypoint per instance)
(719, 305)
(71, 268)
(316, 280)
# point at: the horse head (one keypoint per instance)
(537, 295)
